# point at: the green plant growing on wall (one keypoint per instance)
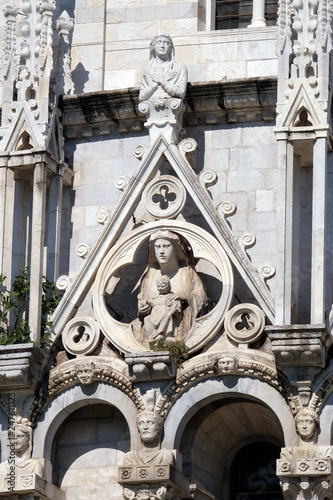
(177, 349)
(14, 322)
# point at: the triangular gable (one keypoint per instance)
(130, 199)
(300, 98)
(22, 121)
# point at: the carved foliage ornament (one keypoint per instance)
(204, 247)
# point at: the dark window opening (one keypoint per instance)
(271, 8)
(233, 14)
(253, 473)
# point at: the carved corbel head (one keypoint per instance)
(85, 372)
(307, 423)
(226, 364)
(150, 426)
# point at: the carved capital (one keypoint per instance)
(164, 117)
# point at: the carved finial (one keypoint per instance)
(10, 10)
(65, 24)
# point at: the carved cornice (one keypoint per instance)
(103, 113)
(65, 375)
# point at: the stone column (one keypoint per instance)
(285, 230)
(54, 227)
(319, 196)
(37, 247)
(6, 220)
(258, 15)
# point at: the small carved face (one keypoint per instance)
(163, 285)
(85, 375)
(226, 364)
(162, 47)
(148, 428)
(306, 426)
(164, 251)
(21, 441)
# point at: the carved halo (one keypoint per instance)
(204, 246)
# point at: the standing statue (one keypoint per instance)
(150, 427)
(163, 77)
(170, 256)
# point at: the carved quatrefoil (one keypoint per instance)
(164, 197)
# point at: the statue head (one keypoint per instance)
(165, 245)
(307, 423)
(228, 363)
(150, 427)
(85, 372)
(22, 439)
(163, 284)
(162, 46)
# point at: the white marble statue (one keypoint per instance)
(307, 423)
(19, 462)
(165, 310)
(170, 256)
(150, 427)
(163, 77)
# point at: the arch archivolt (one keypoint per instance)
(66, 375)
(205, 391)
(246, 367)
(73, 398)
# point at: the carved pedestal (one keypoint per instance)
(306, 478)
(29, 486)
(153, 482)
(150, 366)
(164, 114)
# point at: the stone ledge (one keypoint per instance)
(230, 101)
(299, 345)
(20, 366)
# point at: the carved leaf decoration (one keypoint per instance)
(283, 24)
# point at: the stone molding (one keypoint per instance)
(150, 366)
(159, 481)
(20, 366)
(299, 345)
(65, 376)
(246, 367)
(33, 486)
(104, 113)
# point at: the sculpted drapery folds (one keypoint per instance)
(170, 256)
(163, 77)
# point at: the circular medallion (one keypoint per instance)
(164, 197)
(206, 251)
(244, 323)
(81, 335)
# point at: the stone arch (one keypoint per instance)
(202, 393)
(216, 418)
(74, 398)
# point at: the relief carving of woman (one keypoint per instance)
(170, 256)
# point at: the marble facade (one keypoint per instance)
(174, 182)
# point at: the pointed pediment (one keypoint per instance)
(149, 165)
(23, 122)
(301, 98)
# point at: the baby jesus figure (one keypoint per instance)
(166, 308)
